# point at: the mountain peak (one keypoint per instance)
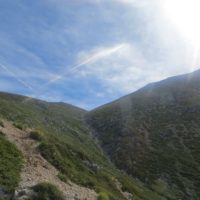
(153, 134)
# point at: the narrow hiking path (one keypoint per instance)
(36, 169)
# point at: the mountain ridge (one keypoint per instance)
(72, 105)
(151, 134)
(66, 143)
(145, 131)
(151, 85)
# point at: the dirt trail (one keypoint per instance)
(36, 169)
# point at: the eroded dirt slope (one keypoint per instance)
(36, 169)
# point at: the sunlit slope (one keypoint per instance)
(10, 165)
(66, 143)
(154, 135)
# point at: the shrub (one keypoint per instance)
(2, 134)
(1, 123)
(36, 135)
(19, 126)
(4, 198)
(62, 177)
(103, 196)
(46, 191)
(88, 183)
(51, 153)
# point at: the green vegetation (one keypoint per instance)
(103, 196)
(18, 125)
(36, 135)
(1, 123)
(10, 165)
(4, 198)
(67, 144)
(46, 191)
(2, 134)
(154, 135)
(76, 166)
(63, 177)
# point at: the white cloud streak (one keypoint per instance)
(135, 3)
(95, 56)
(119, 68)
(17, 78)
(88, 59)
(127, 69)
(123, 71)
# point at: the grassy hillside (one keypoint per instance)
(66, 142)
(154, 135)
(10, 165)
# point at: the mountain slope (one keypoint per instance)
(36, 169)
(66, 143)
(154, 135)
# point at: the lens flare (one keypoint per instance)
(185, 14)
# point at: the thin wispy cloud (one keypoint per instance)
(83, 60)
(95, 56)
(135, 3)
(89, 52)
(17, 78)
(122, 71)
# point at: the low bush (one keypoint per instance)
(62, 177)
(1, 123)
(36, 135)
(2, 134)
(18, 125)
(46, 191)
(103, 196)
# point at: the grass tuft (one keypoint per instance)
(18, 125)
(1, 123)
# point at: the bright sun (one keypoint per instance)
(185, 14)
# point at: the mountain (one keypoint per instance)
(144, 146)
(47, 152)
(154, 135)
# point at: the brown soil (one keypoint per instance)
(36, 169)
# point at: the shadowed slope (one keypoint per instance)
(154, 135)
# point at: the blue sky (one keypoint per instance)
(88, 52)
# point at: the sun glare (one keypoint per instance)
(185, 14)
